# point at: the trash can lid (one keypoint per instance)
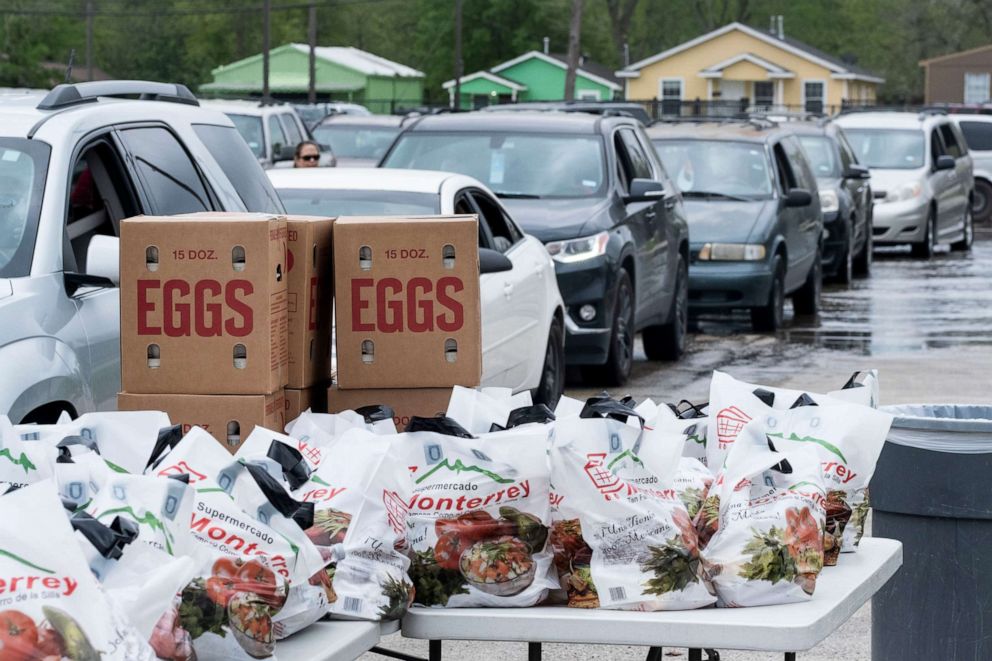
(960, 428)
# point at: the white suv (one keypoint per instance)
(73, 163)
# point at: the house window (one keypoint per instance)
(671, 96)
(587, 95)
(814, 92)
(976, 87)
(764, 93)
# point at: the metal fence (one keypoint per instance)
(676, 108)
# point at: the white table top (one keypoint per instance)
(840, 591)
(330, 641)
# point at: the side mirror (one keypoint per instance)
(103, 258)
(857, 171)
(944, 162)
(798, 197)
(645, 190)
(493, 261)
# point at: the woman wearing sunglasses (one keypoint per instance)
(307, 155)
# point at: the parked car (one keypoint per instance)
(523, 330)
(272, 131)
(73, 164)
(592, 189)
(921, 175)
(630, 109)
(358, 141)
(313, 113)
(754, 216)
(977, 130)
(845, 198)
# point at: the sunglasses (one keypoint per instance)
(309, 157)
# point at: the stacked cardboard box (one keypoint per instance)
(205, 311)
(408, 312)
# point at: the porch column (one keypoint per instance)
(451, 97)
(709, 89)
(513, 95)
(780, 92)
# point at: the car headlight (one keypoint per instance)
(829, 202)
(577, 250)
(904, 192)
(732, 252)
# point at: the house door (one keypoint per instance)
(731, 90)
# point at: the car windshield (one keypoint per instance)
(822, 155)
(511, 164)
(23, 166)
(717, 168)
(888, 149)
(250, 128)
(356, 141)
(324, 202)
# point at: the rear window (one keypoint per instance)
(978, 135)
(324, 202)
(241, 167)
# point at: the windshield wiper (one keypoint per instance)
(516, 196)
(713, 195)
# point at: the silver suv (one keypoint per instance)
(921, 175)
(73, 163)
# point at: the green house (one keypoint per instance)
(343, 73)
(533, 76)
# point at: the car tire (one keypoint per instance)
(620, 360)
(845, 273)
(552, 383)
(667, 341)
(769, 317)
(981, 207)
(964, 244)
(924, 249)
(806, 300)
(863, 262)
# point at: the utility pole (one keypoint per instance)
(457, 100)
(266, 24)
(574, 34)
(89, 40)
(312, 36)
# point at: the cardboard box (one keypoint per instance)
(405, 402)
(299, 400)
(407, 302)
(310, 294)
(203, 304)
(228, 418)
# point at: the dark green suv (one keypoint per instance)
(755, 223)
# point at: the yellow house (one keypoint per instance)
(739, 67)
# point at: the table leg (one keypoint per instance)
(712, 655)
(695, 654)
(434, 650)
(790, 656)
(392, 654)
(655, 654)
(533, 651)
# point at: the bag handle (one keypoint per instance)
(294, 467)
(110, 540)
(686, 410)
(538, 413)
(301, 513)
(767, 397)
(853, 381)
(65, 454)
(375, 413)
(441, 424)
(803, 400)
(168, 438)
(604, 406)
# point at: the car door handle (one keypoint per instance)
(508, 289)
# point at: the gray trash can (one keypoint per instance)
(932, 490)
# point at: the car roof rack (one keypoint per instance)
(73, 94)
(756, 122)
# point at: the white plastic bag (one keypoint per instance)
(477, 410)
(768, 546)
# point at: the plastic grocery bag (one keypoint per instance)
(359, 495)
(768, 545)
(478, 514)
(25, 462)
(477, 410)
(52, 605)
(734, 403)
(644, 554)
(377, 419)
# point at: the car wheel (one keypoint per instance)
(845, 273)
(552, 382)
(969, 233)
(769, 317)
(981, 203)
(924, 248)
(806, 301)
(667, 342)
(621, 357)
(863, 262)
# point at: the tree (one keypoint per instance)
(711, 14)
(621, 12)
(574, 44)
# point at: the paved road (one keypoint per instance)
(924, 325)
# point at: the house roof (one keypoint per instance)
(774, 71)
(591, 70)
(349, 57)
(491, 77)
(951, 56)
(837, 67)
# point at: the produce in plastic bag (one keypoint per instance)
(53, 606)
(768, 546)
(359, 525)
(478, 514)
